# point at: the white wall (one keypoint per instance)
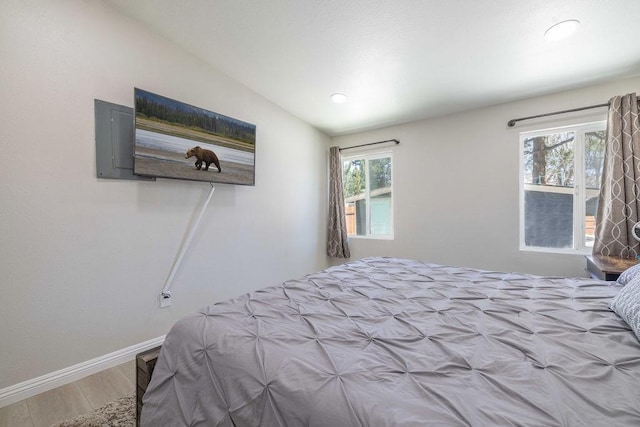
(456, 184)
(83, 260)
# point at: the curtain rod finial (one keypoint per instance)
(511, 123)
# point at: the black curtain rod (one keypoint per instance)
(371, 143)
(511, 123)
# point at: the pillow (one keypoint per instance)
(626, 304)
(629, 274)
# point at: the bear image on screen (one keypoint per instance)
(178, 140)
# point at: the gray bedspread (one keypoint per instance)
(394, 342)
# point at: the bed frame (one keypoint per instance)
(145, 362)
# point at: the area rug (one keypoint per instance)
(118, 413)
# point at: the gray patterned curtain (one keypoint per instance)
(618, 204)
(337, 244)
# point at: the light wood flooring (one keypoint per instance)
(71, 400)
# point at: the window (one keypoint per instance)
(560, 171)
(367, 184)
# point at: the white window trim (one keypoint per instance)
(367, 156)
(578, 191)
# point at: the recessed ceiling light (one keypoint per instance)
(339, 98)
(561, 30)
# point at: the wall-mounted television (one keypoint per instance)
(178, 140)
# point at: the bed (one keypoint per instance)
(397, 342)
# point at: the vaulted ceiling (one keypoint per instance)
(399, 60)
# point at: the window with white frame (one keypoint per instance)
(560, 172)
(368, 194)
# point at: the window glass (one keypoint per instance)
(560, 184)
(594, 161)
(354, 186)
(548, 200)
(367, 185)
(549, 159)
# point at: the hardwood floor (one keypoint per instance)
(71, 400)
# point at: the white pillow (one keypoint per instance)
(629, 274)
(626, 304)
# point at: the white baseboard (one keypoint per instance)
(26, 389)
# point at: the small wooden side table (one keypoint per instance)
(145, 363)
(608, 267)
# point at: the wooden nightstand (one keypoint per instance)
(608, 267)
(145, 363)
